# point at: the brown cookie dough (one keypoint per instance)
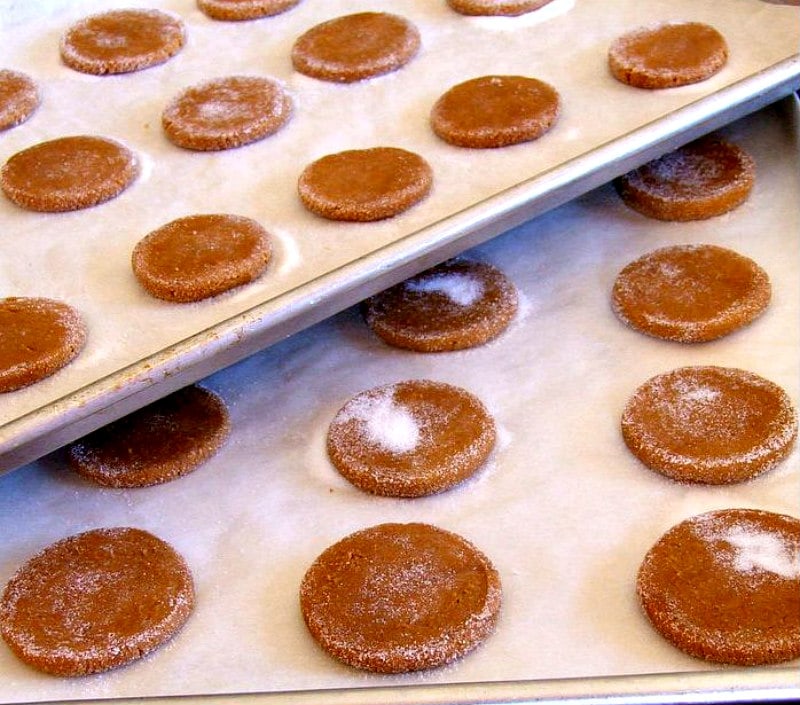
(456, 305)
(37, 338)
(509, 8)
(19, 98)
(365, 184)
(667, 54)
(226, 112)
(354, 47)
(95, 601)
(121, 41)
(156, 444)
(410, 439)
(199, 256)
(68, 173)
(238, 10)
(495, 111)
(724, 586)
(710, 425)
(395, 598)
(690, 293)
(700, 180)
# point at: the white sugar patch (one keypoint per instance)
(760, 550)
(460, 289)
(386, 423)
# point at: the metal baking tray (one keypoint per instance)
(119, 373)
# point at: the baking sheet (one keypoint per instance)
(140, 348)
(562, 509)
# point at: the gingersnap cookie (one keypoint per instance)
(226, 112)
(156, 444)
(495, 111)
(96, 601)
(365, 184)
(395, 598)
(690, 293)
(38, 337)
(354, 47)
(239, 10)
(199, 256)
(456, 305)
(724, 586)
(410, 439)
(68, 173)
(509, 8)
(700, 180)
(667, 54)
(121, 41)
(19, 98)
(710, 425)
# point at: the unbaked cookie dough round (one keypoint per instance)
(121, 41)
(226, 112)
(200, 256)
(158, 443)
(410, 438)
(95, 601)
(19, 98)
(710, 425)
(362, 185)
(239, 10)
(395, 598)
(509, 8)
(456, 305)
(667, 54)
(724, 586)
(495, 111)
(700, 180)
(690, 293)
(38, 337)
(354, 47)
(68, 173)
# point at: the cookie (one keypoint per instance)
(226, 112)
(199, 256)
(38, 337)
(495, 111)
(667, 54)
(724, 586)
(395, 598)
(690, 293)
(238, 10)
(410, 439)
(710, 425)
(354, 47)
(509, 8)
(19, 98)
(96, 601)
(456, 305)
(121, 41)
(156, 444)
(365, 184)
(700, 180)
(68, 173)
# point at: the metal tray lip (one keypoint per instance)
(43, 430)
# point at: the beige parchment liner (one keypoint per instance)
(562, 509)
(83, 257)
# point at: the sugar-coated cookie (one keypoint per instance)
(158, 443)
(395, 598)
(38, 337)
(456, 305)
(96, 601)
(667, 54)
(68, 173)
(19, 98)
(239, 10)
(724, 586)
(509, 8)
(121, 41)
(710, 425)
(410, 438)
